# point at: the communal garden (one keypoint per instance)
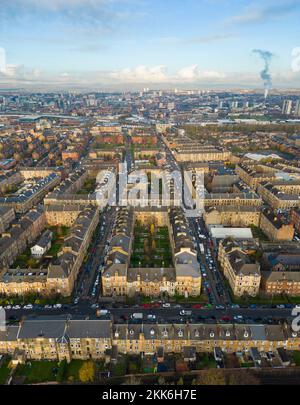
(151, 248)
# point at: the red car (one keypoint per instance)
(146, 306)
(197, 306)
(155, 305)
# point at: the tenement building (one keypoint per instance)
(280, 194)
(242, 273)
(232, 216)
(60, 275)
(71, 339)
(276, 227)
(254, 174)
(15, 239)
(181, 276)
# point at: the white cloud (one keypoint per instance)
(159, 74)
(188, 73)
(136, 77)
(192, 73)
(155, 74)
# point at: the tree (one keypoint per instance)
(152, 229)
(31, 263)
(153, 245)
(242, 379)
(61, 371)
(180, 381)
(35, 155)
(87, 372)
(212, 377)
(161, 381)
(17, 156)
(133, 380)
(146, 246)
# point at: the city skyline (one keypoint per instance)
(128, 44)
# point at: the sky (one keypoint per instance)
(153, 43)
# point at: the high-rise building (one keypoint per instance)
(287, 107)
(297, 109)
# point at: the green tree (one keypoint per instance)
(87, 372)
(61, 371)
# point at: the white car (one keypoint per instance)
(166, 305)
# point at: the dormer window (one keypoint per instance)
(227, 333)
(246, 334)
(294, 335)
(212, 335)
(152, 332)
(131, 332)
(165, 333)
(180, 333)
(117, 334)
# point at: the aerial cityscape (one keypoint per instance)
(149, 216)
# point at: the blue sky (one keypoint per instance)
(184, 42)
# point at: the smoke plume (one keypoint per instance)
(266, 56)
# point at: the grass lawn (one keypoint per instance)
(72, 372)
(119, 369)
(37, 371)
(25, 260)
(55, 248)
(4, 371)
(151, 249)
(88, 187)
(206, 361)
(43, 371)
(134, 365)
(107, 146)
(296, 358)
(247, 364)
(59, 234)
